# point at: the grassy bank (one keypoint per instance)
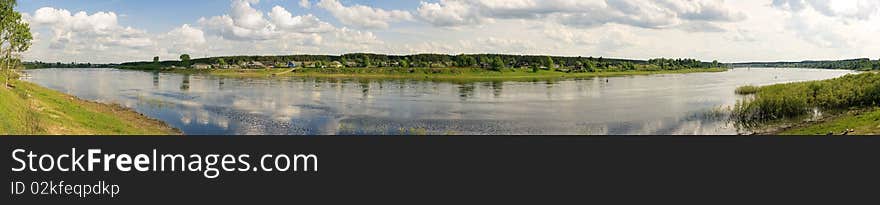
(800, 101)
(28, 109)
(428, 73)
(854, 122)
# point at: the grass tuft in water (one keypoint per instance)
(747, 90)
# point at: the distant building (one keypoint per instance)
(335, 64)
(218, 66)
(268, 64)
(351, 64)
(254, 65)
(201, 66)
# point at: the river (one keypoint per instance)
(666, 104)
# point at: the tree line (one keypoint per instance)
(485, 61)
(40, 64)
(850, 64)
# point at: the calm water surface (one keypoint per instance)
(202, 104)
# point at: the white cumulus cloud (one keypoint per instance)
(364, 16)
(687, 14)
(82, 33)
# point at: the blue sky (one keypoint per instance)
(727, 30)
(163, 15)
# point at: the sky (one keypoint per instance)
(113, 31)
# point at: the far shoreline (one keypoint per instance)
(467, 75)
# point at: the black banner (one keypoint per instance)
(460, 169)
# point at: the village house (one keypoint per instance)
(268, 64)
(254, 65)
(201, 66)
(218, 66)
(351, 64)
(484, 65)
(335, 64)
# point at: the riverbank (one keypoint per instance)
(29, 109)
(468, 74)
(848, 105)
(855, 122)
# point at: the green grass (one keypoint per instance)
(792, 100)
(861, 122)
(12, 117)
(747, 90)
(29, 109)
(841, 101)
(429, 73)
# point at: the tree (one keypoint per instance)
(184, 60)
(547, 62)
(590, 66)
(471, 61)
(367, 62)
(156, 59)
(497, 64)
(15, 36)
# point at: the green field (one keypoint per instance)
(452, 74)
(28, 109)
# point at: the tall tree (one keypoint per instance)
(15, 36)
(471, 61)
(548, 62)
(590, 66)
(156, 59)
(367, 62)
(497, 64)
(184, 60)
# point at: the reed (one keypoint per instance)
(791, 100)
